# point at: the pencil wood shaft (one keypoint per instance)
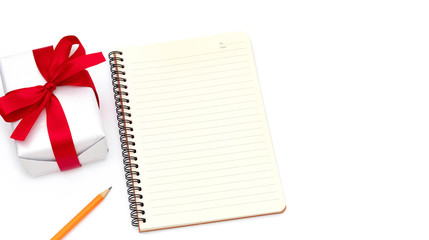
(82, 214)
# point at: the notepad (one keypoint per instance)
(197, 146)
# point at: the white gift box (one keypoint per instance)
(80, 108)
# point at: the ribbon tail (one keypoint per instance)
(26, 124)
(24, 127)
(60, 136)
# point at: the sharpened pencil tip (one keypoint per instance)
(103, 194)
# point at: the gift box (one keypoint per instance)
(45, 143)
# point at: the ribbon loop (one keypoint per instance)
(59, 68)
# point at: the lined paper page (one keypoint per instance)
(203, 144)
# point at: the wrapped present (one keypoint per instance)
(53, 105)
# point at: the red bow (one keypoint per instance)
(59, 69)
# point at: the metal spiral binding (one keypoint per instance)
(125, 131)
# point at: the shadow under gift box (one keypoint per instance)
(80, 108)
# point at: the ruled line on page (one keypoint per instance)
(189, 56)
(190, 144)
(195, 129)
(234, 43)
(213, 177)
(199, 61)
(189, 82)
(203, 149)
(191, 69)
(211, 170)
(191, 102)
(197, 115)
(195, 88)
(196, 122)
(213, 200)
(211, 134)
(213, 155)
(210, 185)
(201, 128)
(200, 94)
(197, 108)
(206, 163)
(223, 206)
(192, 75)
(211, 192)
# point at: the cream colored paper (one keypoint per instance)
(203, 144)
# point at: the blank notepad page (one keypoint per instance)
(203, 144)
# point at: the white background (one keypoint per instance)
(346, 89)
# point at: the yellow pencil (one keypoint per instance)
(100, 197)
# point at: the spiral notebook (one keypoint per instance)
(196, 143)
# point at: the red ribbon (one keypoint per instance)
(58, 68)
